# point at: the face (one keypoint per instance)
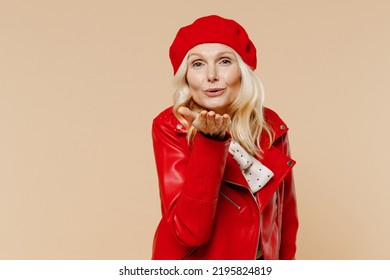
(213, 76)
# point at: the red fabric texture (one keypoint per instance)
(212, 29)
(208, 209)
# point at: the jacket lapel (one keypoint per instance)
(273, 158)
(281, 165)
(233, 173)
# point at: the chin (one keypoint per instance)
(214, 106)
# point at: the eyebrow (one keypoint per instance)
(218, 54)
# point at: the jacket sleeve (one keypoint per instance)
(290, 216)
(189, 180)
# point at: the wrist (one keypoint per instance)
(220, 136)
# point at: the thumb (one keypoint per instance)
(189, 115)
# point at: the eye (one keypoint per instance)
(197, 64)
(225, 61)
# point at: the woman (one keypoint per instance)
(223, 160)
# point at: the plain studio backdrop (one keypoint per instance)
(81, 81)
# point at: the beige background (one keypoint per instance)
(80, 82)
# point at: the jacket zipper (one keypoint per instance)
(261, 222)
(259, 231)
(230, 200)
(258, 209)
(258, 237)
(186, 256)
(189, 253)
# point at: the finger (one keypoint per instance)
(200, 121)
(218, 120)
(226, 120)
(189, 115)
(203, 118)
(210, 118)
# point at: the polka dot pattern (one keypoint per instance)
(256, 173)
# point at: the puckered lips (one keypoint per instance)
(213, 92)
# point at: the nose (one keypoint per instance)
(212, 75)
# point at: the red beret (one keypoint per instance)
(212, 29)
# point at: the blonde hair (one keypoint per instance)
(246, 111)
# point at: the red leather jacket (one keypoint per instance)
(208, 210)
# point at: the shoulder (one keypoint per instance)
(275, 122)
(166, 120)
(273, 119)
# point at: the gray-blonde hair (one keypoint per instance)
(246, 111)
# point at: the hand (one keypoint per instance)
(208, 123)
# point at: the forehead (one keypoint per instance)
(210, 49)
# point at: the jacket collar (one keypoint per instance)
(273, 158)
(277, 126)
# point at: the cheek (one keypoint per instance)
(235, 82)
(233, 77)
(235, 87)
(194, 81)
